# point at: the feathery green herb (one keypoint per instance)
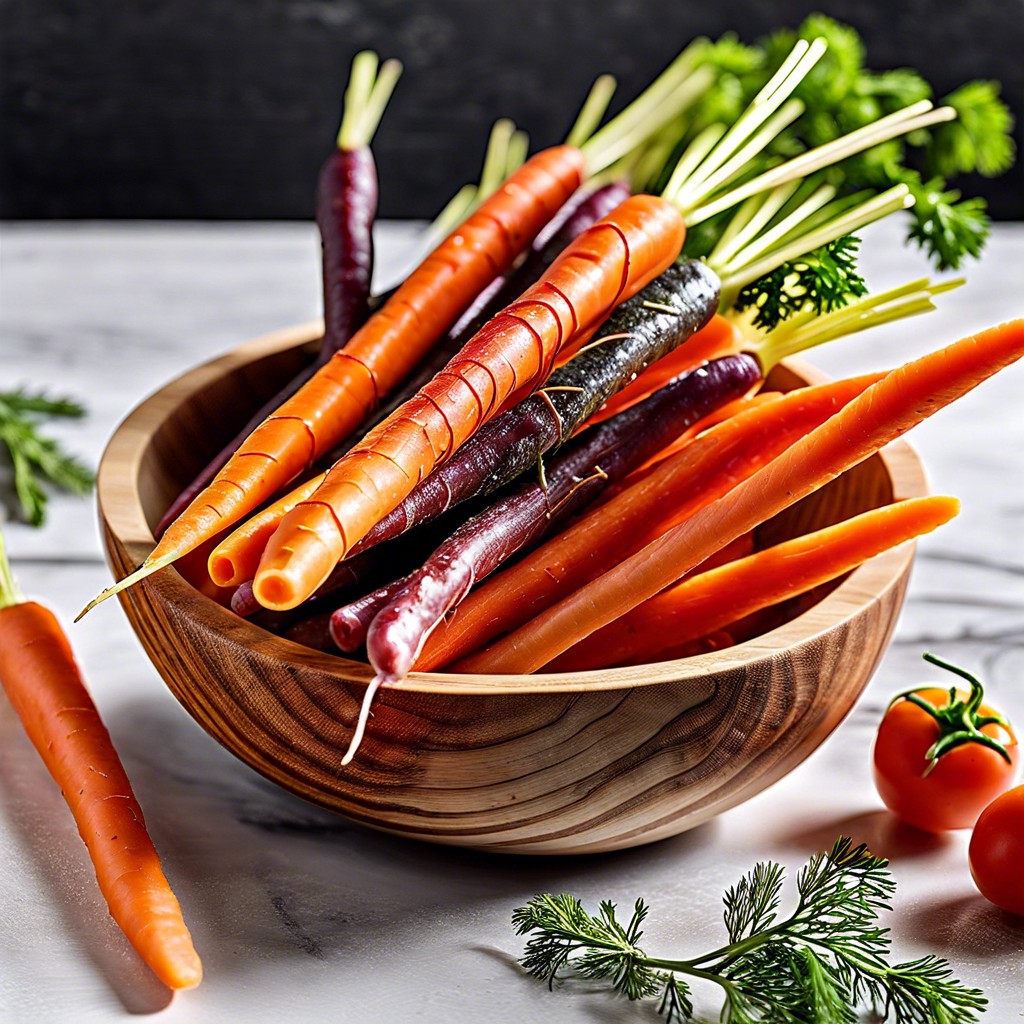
(947, 227)
(824, 280)
(34, 458)
(825, 962)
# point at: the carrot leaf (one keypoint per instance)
(34, 458)
(823, 280)
(947, 228)
(979, 139)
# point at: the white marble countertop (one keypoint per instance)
(300, 915)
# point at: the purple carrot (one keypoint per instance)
(345, 209)
(588, 465)
(350, 622)
(346, 206)
(655, 321)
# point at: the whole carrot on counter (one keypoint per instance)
(43, 683)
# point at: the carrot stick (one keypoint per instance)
(673, 489)
(43, 684)
(885, 411)
(714, 598)
(606, 265)
(377, 358)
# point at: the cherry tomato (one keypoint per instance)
(997, 851)
(941, 756)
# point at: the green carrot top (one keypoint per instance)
(9, 592)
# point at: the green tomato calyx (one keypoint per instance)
(959, 720)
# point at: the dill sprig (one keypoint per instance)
(825, 962)
(37, 459)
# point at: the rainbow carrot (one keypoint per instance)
(379, 356)
(606, 265)
(669, 492)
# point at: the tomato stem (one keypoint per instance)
(959, 721)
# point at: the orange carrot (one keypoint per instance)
(38, 671)
(716, 597)
(237, 557)
(381, 353)
(599, 540)
(885, 411)
(607, 264)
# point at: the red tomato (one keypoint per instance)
(951, 791)
(997, 851)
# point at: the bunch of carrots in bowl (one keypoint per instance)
(565, 451)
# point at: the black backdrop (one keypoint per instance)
(225, 108)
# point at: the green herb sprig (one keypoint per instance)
(824, 280)
(36, 459)
(825, 962)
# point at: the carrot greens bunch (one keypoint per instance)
(839, 95)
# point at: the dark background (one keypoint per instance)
(224, 108)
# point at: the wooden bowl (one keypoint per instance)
(568, 763)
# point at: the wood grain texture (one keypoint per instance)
(569, 763)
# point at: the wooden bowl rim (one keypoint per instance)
(121, 509)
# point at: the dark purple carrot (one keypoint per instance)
(346, 206)
(399, 623)
(350, 623)
(654, 322)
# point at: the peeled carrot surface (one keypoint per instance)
(38, 671)
(718, 596)
(667, 492)
(383, 351)
(607, 264)
(885, 411)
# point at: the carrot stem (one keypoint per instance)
(357, 93)
(9, 592)
(593, 109)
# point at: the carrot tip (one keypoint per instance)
(364, 717)
(146, 569)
